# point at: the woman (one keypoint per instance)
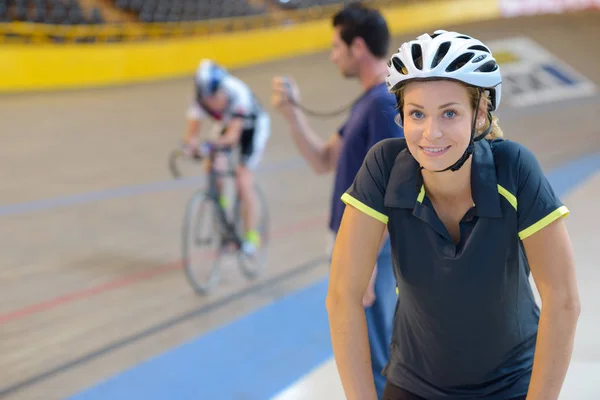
(469, 215)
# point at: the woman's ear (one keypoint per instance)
(482, 117)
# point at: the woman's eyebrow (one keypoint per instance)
(442, 106)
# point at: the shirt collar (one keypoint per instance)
(405, 188)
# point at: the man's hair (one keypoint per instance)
(357, 20)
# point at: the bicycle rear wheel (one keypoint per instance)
(201, 243)
(253, 266)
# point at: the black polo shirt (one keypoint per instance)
(467, 320)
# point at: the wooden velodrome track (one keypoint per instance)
(90, 218)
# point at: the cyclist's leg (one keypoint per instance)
(248, 200)
(220, 163)
(252, 145)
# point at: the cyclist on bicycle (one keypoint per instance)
(242, 123)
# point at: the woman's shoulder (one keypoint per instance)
(388, 149)
(509, 153)
(382, 155)
(514, 161)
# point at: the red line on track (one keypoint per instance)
(134, 278)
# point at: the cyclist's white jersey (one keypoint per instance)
(241, 104)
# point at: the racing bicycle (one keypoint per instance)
(213, 228)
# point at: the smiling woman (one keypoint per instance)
(470, 216)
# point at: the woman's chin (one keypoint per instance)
(437, 162)
(435, 165)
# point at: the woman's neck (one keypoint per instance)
(449, 185)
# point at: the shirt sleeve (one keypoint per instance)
(367, 191)
(382, 122)
(537, 203)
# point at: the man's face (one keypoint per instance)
(216, 102)
(343, 56)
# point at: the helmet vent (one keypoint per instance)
(417, 56)
(440, 54)
(489, 66)
(460, 61)
(464, 37)
(399, 66)
(480, 48)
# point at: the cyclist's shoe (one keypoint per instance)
(251, 243)
(248, 248)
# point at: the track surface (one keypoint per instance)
(90, 218)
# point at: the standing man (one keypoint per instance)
(360, 45)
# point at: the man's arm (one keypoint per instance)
(192, 129)
(321, 155)
(194, 116)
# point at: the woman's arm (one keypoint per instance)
(551, 260)
(353, 260)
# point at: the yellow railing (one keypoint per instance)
(74, 65)
(27, 32)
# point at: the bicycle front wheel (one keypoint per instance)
(201, 243)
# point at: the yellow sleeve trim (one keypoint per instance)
(562, 211)
(347, 199)
(508, 196)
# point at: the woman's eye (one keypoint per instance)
(450, 114)
(416, 114)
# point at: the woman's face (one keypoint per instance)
(437, 122)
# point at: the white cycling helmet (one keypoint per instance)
(448, 55)
(208, 78)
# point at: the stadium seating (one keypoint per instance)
(188, 10)
(60, 12)
(71, 12)
(299, 4)
(304, 4)
(39, 21)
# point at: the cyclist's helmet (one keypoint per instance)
(208, 78)
(448, 55)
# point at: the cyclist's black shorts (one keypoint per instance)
(253, 141)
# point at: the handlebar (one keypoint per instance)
(203, 150)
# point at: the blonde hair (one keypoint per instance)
(495, 131)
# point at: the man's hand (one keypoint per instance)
(285, 94)
(369, 297)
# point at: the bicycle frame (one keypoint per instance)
(214, 193)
